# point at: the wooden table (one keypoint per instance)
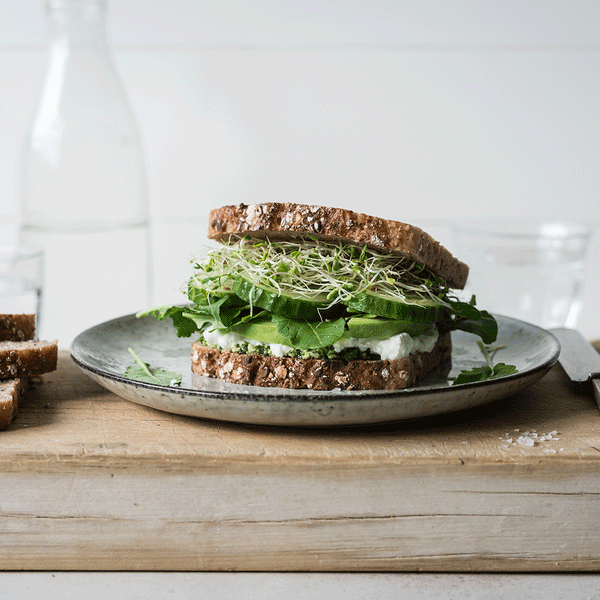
(92, 482)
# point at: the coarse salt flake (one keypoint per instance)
(527, 438)
(525, 441)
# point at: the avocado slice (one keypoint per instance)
(381, 328)
(266, 332)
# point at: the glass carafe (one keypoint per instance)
(84, 197)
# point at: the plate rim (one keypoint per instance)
(329, 395)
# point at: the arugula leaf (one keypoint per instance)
(306, 335)
(184, 322)
(502, 370)
(141, 371)
(222, 311)
(465, 310)
(468, 318)
(483, 373)
(485, 326)
(223, 306)
(488, 371)
(475, 374)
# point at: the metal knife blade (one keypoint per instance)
(579, 359)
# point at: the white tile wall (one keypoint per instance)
(422, 111)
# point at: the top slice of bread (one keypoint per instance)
(276, 220)
(17, 327)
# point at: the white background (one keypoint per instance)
(424, 111)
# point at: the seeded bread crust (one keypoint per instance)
(20, 358)
(286, 220)
(318, 374)
(27, 358)
(17, 327)
(11, 391)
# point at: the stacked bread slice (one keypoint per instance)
(21, 357)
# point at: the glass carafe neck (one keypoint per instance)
(80, 23)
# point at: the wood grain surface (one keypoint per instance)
(93, 482)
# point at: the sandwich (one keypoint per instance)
(313, 297)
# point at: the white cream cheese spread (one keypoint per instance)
(393, 348)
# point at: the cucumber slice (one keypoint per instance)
(418, 310)
(293, 307)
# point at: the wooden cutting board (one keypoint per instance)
(90, 481)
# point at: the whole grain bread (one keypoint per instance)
(20, 359)
(318, 374)
(27, 358)
(17, 327)
(286, 220)
(10, 393)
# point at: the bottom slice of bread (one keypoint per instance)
(318, 374)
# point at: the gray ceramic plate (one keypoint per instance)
(102, 353)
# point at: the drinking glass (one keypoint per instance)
(21, 280)
(530, 270)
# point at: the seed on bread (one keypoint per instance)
(20, 359)
(18, 327)
(318, 374)
(27, 358)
